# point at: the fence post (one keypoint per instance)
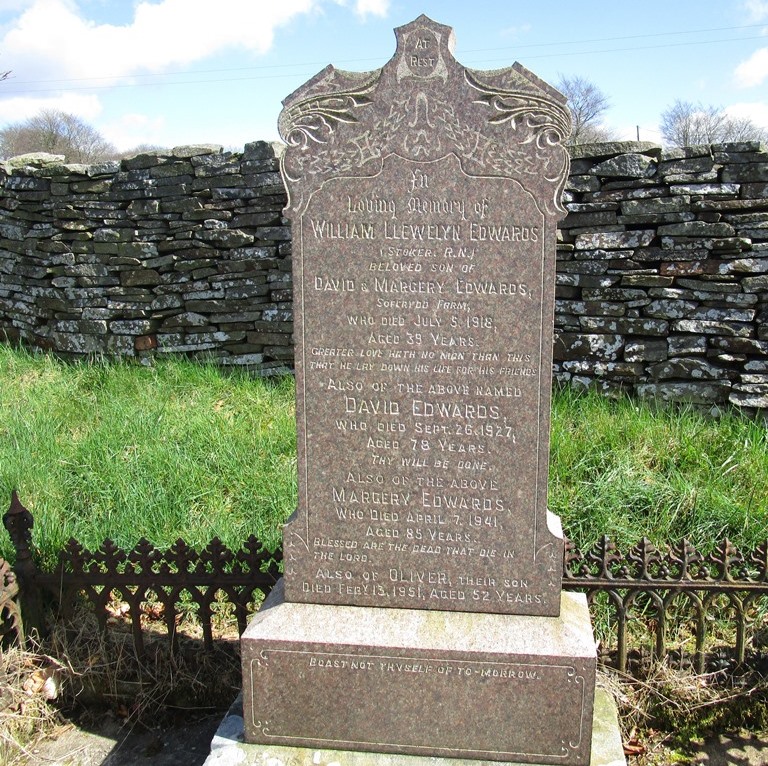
(19, 522)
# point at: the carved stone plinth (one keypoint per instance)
(456, 685)
(229, 747)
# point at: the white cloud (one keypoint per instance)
(53, 36)
(756, 111)
(367, 7)
(133, 129)
(57, 50)
(372, 7)
(757, 10)
(19, 108)
(754, 70)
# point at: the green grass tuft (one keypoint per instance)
(122, 451)
(631, 469)
(181, 449)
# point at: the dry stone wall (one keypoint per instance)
(662, 282)
(663, 272)
(184, 252)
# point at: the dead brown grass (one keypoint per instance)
(108, 670)
(666, 712)
(663, 710)
(29, 681)
(78, 668)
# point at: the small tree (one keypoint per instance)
(689, 124)
(587, 104)
(55, 132)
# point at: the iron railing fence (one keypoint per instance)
(674, 601)
(669, 602)
(177, 578)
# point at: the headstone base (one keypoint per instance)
(228, 747)
(455, 685)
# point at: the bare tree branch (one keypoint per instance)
(689, 124)
(587, 104)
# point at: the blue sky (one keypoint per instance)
(172, 72)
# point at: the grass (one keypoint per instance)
(122, 451)
(630, 469)
(179, 449)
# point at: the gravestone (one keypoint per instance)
(421, 611)
(424, 199)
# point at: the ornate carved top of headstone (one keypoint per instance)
(422, 106)
(424, 198)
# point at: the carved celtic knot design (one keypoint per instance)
(424, 127)
(539, 120)
(317, 117)
(522, 108)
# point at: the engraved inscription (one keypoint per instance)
(510, 688)
(424, 360)
(424, 233)
(396, 665)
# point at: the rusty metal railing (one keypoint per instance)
(141, 579)
(11, 626)
(682, 600)
(678, 603)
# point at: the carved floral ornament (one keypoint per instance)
(335, 125)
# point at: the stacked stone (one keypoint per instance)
(663, 272)
(178, 252)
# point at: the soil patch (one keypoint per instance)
(185, 741)
(182, 740)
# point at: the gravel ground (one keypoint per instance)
(742, 749)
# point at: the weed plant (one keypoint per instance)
(181, 449)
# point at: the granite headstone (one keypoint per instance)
(424, 199)
(421, 610)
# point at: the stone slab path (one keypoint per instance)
(187, 743)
